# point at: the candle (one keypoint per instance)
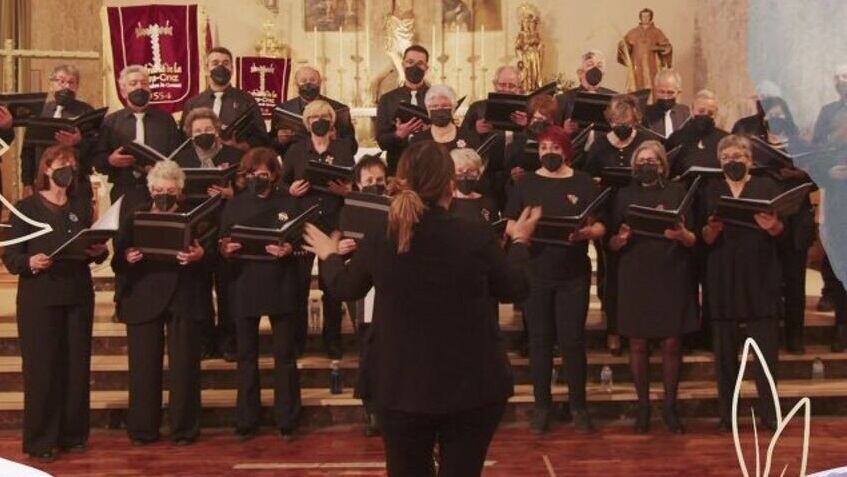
(434, 49)
(482, 45)
(315, 47)
(456, 46)
(340, 45)
(367, 38)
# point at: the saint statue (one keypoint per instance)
(644, 51)
(528, 48)
(399, 28)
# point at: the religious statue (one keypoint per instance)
(399, 28)
(528, 48)
(269, 45)
(644, 51)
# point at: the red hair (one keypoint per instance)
(557, 135)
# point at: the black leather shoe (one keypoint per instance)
(244, 435)
(334, 351)
(672, 421)
(46, 457)
(286, 434)
(183, 442)
(540, 423)
(582, 422)
(724, 425)
(75, 448)
(372, 425)
(839, 342)
(642, 420)
(825, 304)
(768, 423)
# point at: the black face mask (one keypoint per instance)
(537, 127)
(414, 74)
(63, 176)
(204, 141)
(552, 161)
(320, 127)
(702, 123)
(309, 91)
(622, 131)
(466, 186)
(441, 117)
(594, 76)
(646, 173)
(735, 170)
(220, 75)
(841, 87)
(666, 104)
(375, 189)
(139, 97)
(258, 185)
(779, 126)
(64, 97)
(164, 202)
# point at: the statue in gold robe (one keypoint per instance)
(528, 48)
(644, 51)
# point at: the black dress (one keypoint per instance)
(656, 276)
(464, 138)
(481, 208)
(603, 154)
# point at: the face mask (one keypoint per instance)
(375, 189)
(622, 131)
(139, 97)
(703, 123)
(441, 117)
(537, 127)
(320, 127)
(258, 185)
(164, 202)
(778, 126)
(552, 161)
(414, 74)
(594, 76)
(666, 104)
(63, 176)
(309, 91)
(64, 97)
(646, 173)
(841, 87)
(466, 186)
(221, 75)
(204, 141)
(735, 170)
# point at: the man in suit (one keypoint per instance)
(229, 102)
(309, 81)
(391, 134)
(665, 115)
(590, 72)
(64, 84)
(138, 122)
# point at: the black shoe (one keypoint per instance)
(564, 414)
(183, 442)
(45, 457)
(286, 434)
(142, 442)
(672, 421)
(794, 345)
(244, 435)
(839, 343)
(75, 448)
(372, 425)
(229, 355)
(334, 351)
(724, 425)
(825, 304)
(540, 421)
(768, 423)
(642, 420)
(582, 422)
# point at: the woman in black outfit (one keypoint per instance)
(322, 146)
(742, 274)
(157, 296)
(435, 365)
(560, 277)
(440, 101)
(467, 202)
(55, 309)
(261, 288)
(657, 290)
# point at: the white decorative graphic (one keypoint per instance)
(155, 31)
(4, 147)
(781, 421)
(263, 71)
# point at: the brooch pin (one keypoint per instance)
(486, 214)
(329, 159)
(73, 218)
(573, 199)
(461, 144)
(282, 217)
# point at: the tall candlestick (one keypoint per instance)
(367, 21)
(315, 47)
(482, 44)
(340, 45)
(456, 46)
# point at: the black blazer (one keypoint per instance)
(654, 117)
(187, 157)
(233, 103)
(65, 282)
(386, 109)
(434, 347)
(148, 288)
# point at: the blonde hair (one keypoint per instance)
(734, 140)
(317, 108)
(656, 148)
(620, 106)
(166, 171)
(466, 157)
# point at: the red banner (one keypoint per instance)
(266, 79)
(164, 39)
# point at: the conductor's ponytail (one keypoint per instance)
(424, 175)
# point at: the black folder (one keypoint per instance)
(499, 226)
(199, 179)
(42, 131)
(651, 134)
(616, 176)
(100, 232)
(320, 174)
(147, 156)
(555, 230)
(161, 235)
(500, 106)
(23, 106)
(253, 240)
(652, 222)
(696, 171)
(284, 119)
(590, 108)
(740, 211)
(767, 156)
(485, 148)
(238, 127)
(362, 213)
(408, 111)
(578, 143)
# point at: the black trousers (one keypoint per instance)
(462, 438)
(55, 346)
(558, 314)
(793, 263)
(332, 315)
(726, 345)
(221, 333)
(286, 376)
(831, 283)
(610, 290)
(146, 348)
(301, 314)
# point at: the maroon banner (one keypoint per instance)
(164, 39)
(266, 79)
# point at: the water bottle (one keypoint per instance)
(314, 316)
(606, 378)
(336, 385)
(817, 369)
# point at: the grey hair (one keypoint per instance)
(66, 68)
(500, 69)
(737, 141)
(669, 73)
(440, 91)
(130, 69)
(468, 157)
(166, 171)
(592, 54)
(706, 94)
